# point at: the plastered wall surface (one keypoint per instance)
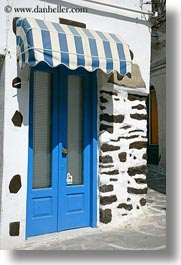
(122, 151)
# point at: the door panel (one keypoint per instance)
(43, 164)
(75, 174)
(75, 125)
(75, 210)
(42, 120)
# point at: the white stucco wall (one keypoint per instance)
(2, 77)
(135, 31)
(122, 181)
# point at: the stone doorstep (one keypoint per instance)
(61, 236)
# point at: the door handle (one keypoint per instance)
(64, 151)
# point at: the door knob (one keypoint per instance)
(64, 151)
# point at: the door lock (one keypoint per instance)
(64, 151)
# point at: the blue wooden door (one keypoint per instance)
(75, 149)
(62, 169)
(43, 153)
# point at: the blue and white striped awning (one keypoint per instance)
(55, 44)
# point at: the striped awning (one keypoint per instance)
(55, 44)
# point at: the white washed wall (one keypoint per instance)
(122, 151)
(2, 77)
(15, 151)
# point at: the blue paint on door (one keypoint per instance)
(63, 206)
(42, 203)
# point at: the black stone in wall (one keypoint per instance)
(102, 107)
(125, 206)
(17, 119)
(125, 137)
(113, 172)
(144, 156)
(125, 127)
(103, 100)
(111, 93)
(132, 97)
(137, 170)
(113, 179)
(15, 184)
(138, 116)
(144, 136)
(109, 166)
(128, 137)
(112, 118)
(104, 200)
(106, 188)
(122, 156)
(108, 147)
(105, 127)
(105, 216)
(105, 159)
(143, 201)
(139, 107)
(140, 181)
(137, 191)
(138, 145)
(136, 131)
(14, 229)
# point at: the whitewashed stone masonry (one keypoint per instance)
(122, 151)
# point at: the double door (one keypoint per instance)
(62, 151)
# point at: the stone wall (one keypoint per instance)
(122, 151)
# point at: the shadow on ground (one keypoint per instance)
(156, 178)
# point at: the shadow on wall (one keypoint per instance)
(22, 83)
(105, 100)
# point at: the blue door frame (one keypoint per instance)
(46, 208)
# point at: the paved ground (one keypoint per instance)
(148, 232)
